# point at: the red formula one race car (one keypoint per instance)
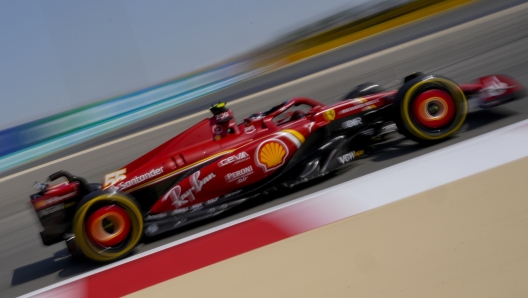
(217, 163)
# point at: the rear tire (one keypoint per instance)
(429, 108)
(107, 226)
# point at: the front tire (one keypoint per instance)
(429, 108)
(107, 225)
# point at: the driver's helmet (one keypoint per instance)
(218, 108)
(253, 117)
(221, 113)
(296, 115)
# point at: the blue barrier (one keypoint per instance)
(29, 134)
(33, 140)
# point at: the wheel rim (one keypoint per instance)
(430, 129)
(433, 109)
(86, 216)
(108, 226)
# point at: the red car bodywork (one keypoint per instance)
(245, 149)
(217, 159)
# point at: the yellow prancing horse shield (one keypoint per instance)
(329, 115)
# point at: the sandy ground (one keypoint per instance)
(491, 45)
(463, 239)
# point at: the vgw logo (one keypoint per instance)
(350, 156)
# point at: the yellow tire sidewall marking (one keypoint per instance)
(415, 130)
(89, 249)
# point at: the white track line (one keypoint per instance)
(402, 180)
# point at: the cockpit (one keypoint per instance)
(223, 121)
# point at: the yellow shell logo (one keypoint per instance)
(272, 154)
(329, 115)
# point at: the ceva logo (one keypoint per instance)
(239, 157)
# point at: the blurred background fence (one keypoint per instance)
(41, 137)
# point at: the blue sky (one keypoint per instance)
(56, 55)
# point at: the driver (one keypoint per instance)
(298, 114)
(254, 117)
(291, 116)
(223, 121)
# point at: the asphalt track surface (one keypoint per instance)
(341, 55)
(495, 44)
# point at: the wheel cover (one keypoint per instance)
(415, 129)
(433, 109)
(108, 226)
(81, 226)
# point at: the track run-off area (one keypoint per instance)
(444, 224)
(496, 43)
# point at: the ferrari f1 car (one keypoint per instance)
(218, 164)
